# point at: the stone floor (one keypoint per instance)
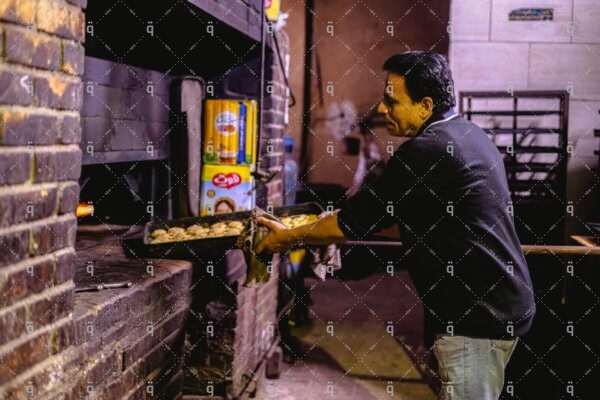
(348, 351)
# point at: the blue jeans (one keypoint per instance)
(471, 368)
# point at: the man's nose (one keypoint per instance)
(381, 108)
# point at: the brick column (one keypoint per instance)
(274, 129)
(40, 161)
(231, 327)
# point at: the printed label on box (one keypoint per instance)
(226, 189)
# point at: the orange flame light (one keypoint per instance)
(85, 210)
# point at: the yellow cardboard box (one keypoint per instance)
(225, 189)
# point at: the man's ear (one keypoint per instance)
(427, 103)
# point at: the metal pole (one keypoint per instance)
(261, 89)
(308, 34)
(526, 248)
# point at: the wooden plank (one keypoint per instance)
(561, 250)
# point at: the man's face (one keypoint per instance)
(403, 116)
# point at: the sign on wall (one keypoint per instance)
(531, 14)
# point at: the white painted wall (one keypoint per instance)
(489, 52)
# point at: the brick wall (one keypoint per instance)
(127, 343)
(116, 344)
(231, 327)
(242, 14)
(55, 343)
(274, 128)
(45, 346)
(124, 108)
(40, 162)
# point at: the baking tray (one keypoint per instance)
(188, 249)
(303, 208)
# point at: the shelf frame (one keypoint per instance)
(515, 151)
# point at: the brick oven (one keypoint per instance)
(89, 114)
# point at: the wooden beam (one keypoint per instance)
(561, 250)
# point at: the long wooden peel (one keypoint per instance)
(561, 250)
(527, 248)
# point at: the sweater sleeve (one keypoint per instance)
(376, 206)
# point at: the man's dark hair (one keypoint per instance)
(425, 75)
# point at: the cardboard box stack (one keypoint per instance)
(229, 155)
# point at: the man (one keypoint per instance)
(446, 189)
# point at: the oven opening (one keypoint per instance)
(121, 193)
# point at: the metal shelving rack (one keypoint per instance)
(535, 154)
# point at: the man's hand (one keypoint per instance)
(278, 238)
(322, 232)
